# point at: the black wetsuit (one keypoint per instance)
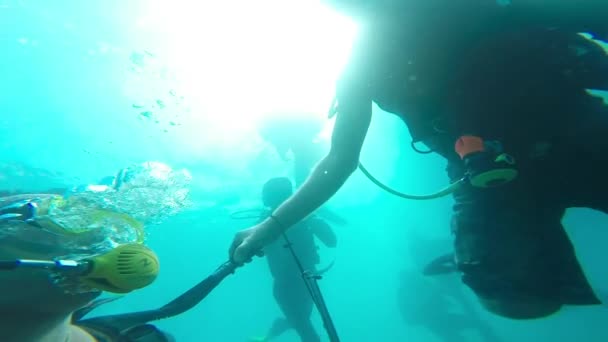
(289, 288)
(484, 70)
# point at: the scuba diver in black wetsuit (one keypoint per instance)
(500, 90)
(290, 290)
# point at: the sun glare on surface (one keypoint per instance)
(239, 61)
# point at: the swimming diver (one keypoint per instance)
(289, 288)
(500, 90)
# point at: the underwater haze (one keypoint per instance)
(89, 87)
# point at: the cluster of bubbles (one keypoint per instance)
(92, 219)
(149, 192)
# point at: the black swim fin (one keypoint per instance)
(186, 301)
(80, 313)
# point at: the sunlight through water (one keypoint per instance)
(236, 62)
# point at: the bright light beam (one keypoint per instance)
(239, 61)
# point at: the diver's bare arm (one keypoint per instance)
(330, 174)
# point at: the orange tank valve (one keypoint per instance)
(468, 144)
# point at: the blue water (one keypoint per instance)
(66, 105)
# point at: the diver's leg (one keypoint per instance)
(296, 304)
(279, 326)
(512, 249)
